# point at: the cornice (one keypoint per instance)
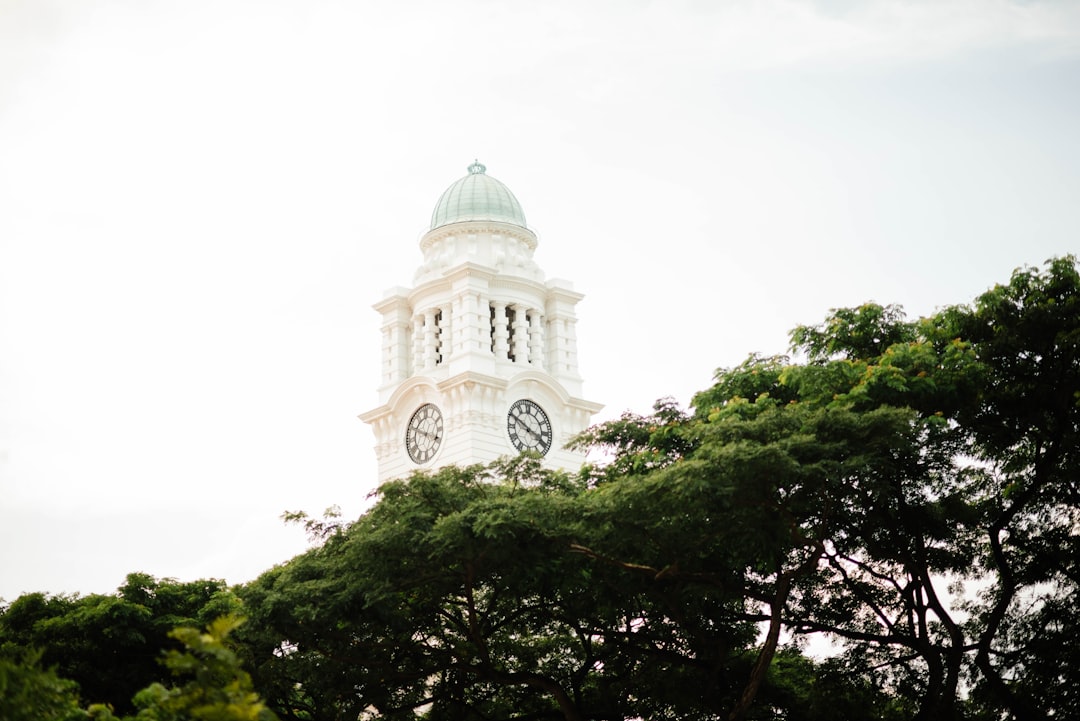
(474, 378)
(478, 226)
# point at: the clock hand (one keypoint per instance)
(427, 434)
(531, 432)
(529, 422)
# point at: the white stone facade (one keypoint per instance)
(480, 329)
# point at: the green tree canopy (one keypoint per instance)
(109, 644)
(909, 490)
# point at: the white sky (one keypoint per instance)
(200, 201)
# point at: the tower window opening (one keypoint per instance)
(439, 338)
(511, 332)
(492, 325)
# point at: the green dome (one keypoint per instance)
(477, 196)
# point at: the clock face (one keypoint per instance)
(529, 427)
(424, 433)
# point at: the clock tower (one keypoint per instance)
(479, 357)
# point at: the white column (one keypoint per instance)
(431, 341)
(521, 334)
(467, 324)
(387, 355)
(560, 346)
(499, 331)
(571, 346)
(417, 343)
(536, 339)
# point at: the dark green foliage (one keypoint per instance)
(1025, 427)
(638, 444)
(216, 687)
(847, 493)
(854, 333)
(110, 644)
(29, 692)
(212, 684)
(800, 689)
(454, 594)
(477, 593)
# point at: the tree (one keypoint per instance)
(906, 475)
(30, 693)
(216, 689)
(1025, 428)
(453, 595)
(500, 593)
(745, 506)
(109, 644)
(1000, 519)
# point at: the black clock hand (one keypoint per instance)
(522, 424)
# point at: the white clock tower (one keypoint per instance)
(479, 357)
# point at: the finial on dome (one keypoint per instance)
(476, 168)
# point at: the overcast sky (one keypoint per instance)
(200, 202)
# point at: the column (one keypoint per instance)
(500, 336)
(417, 343)
(536, 339)
(431, 340)
(521, 334)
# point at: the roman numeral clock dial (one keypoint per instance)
(424, 433)
(529, 427)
